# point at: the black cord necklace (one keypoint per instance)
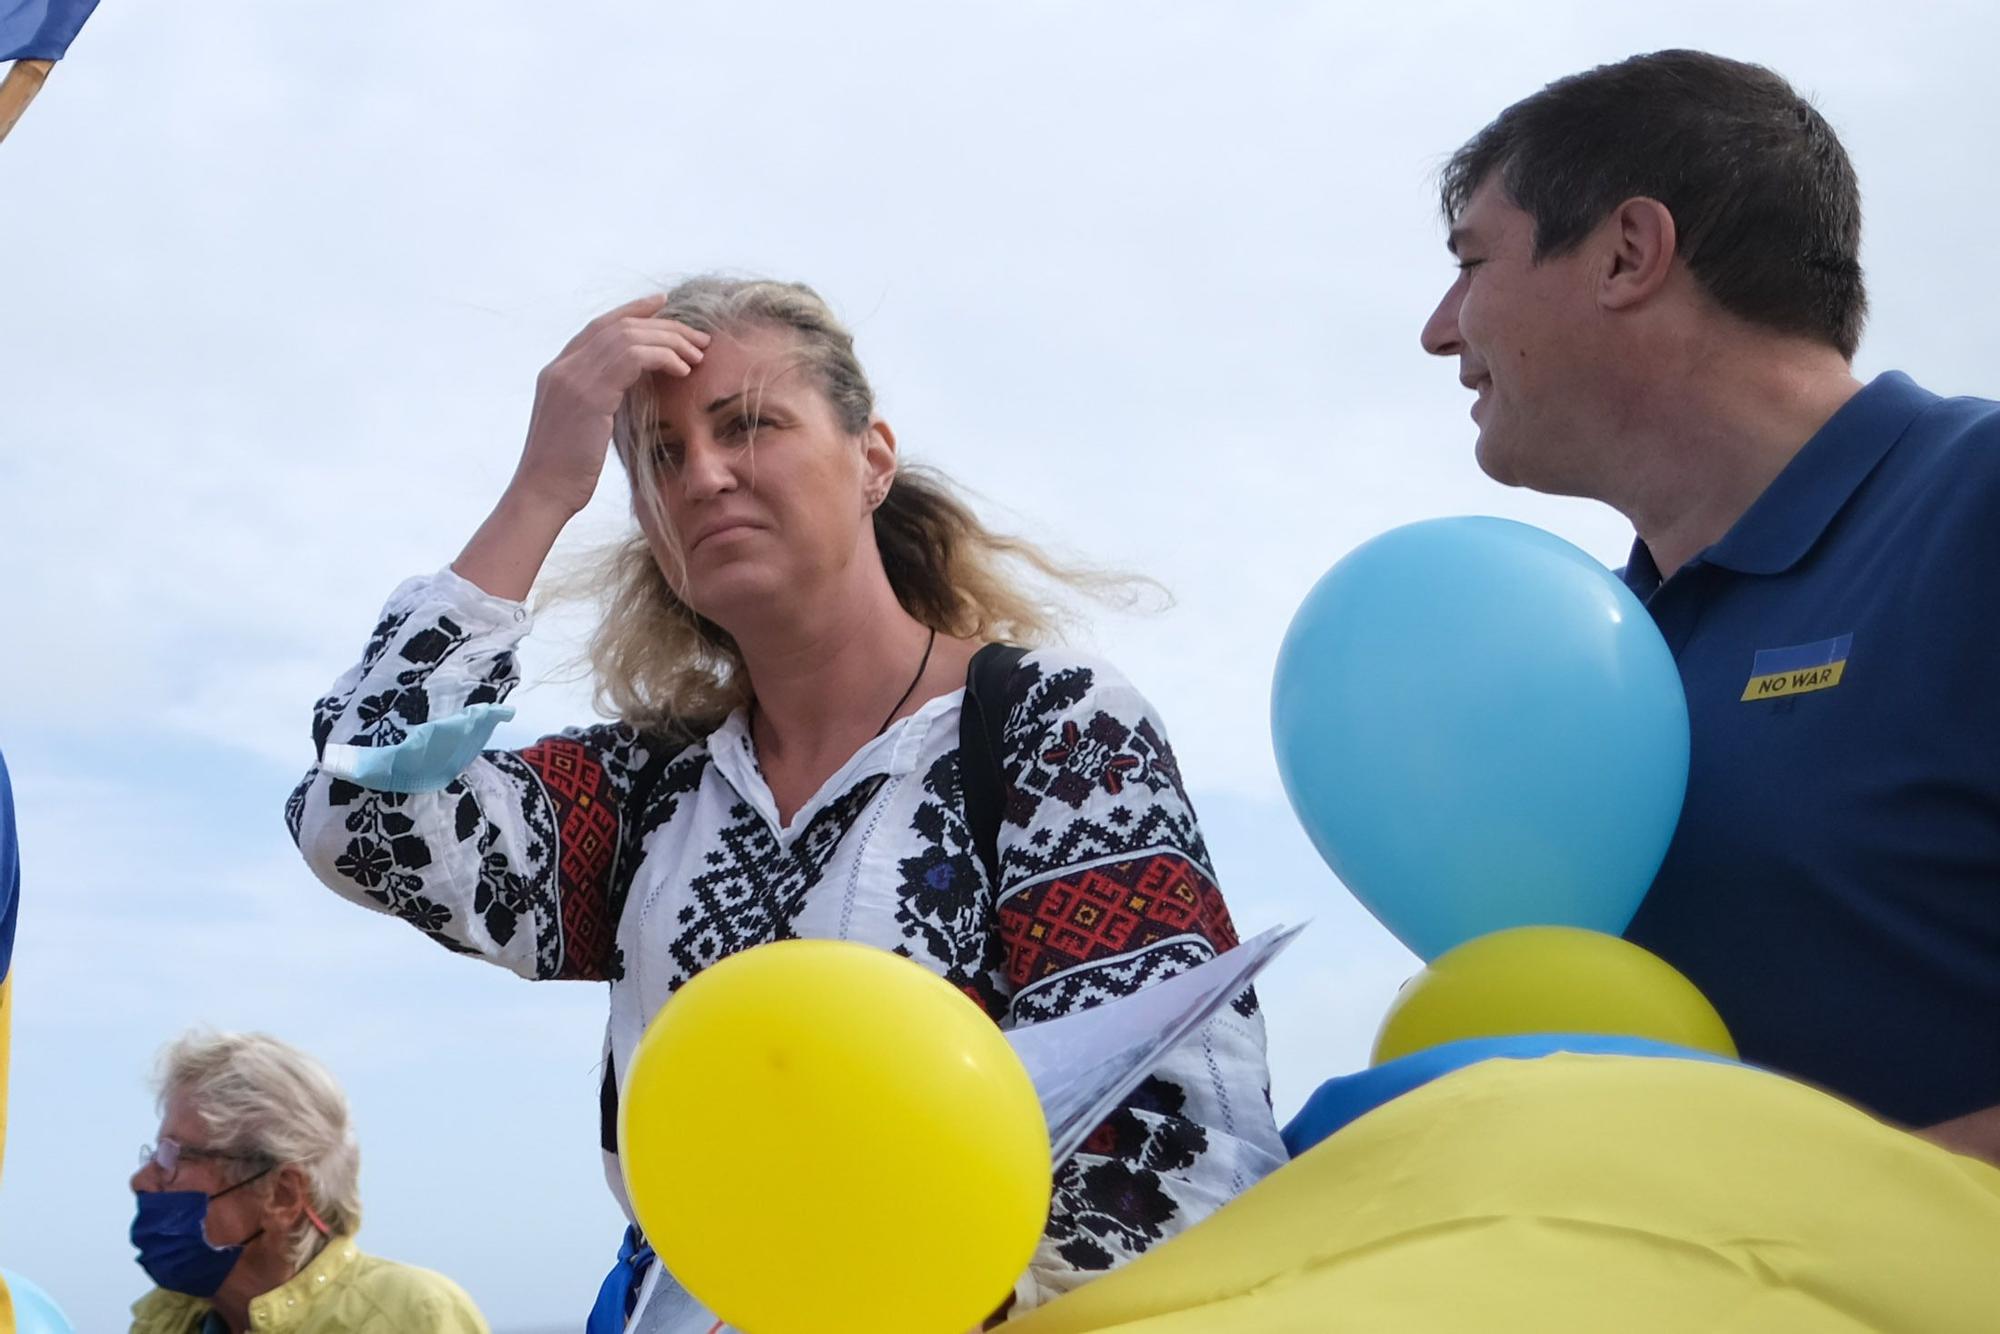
(929, 644)
(909, 690)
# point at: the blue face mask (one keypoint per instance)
(428, 757)
(174, 1251)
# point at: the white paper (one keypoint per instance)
(1083, 1064)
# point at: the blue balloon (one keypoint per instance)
(1480, 728)
(35, 1312)
(1344, 1098)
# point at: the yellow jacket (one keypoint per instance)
(341, 1292)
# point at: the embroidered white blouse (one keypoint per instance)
(613, 854)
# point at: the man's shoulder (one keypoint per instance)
(424, 1298)
(163, 1312)
(1961, 430)
(1945, 463)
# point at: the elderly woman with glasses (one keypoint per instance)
(249, 1201)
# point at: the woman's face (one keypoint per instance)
(766, 496)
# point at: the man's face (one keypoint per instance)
(232, 1216)
(1524, 334)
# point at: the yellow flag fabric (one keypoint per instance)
(6, 1037)
(6, 1042)
(1578, 1192)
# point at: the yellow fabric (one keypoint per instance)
(1583, 1193)
(6, 1031)
(341, 1292)
(6, 1045)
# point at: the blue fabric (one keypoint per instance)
(1343, 1099)
(173, 1250)
(10, 871)
(429, 756)
(40, 29)
(620, 1291)
(1834, 883)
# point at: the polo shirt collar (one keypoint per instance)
(1785, 522)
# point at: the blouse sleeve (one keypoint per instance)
(1106, 887)
(520, 858)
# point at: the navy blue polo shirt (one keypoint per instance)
(1834, 885)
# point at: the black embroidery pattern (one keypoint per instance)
(1081, 988)
(1070, 762)
(1109, 1200)
(945, 910)
(756, 886)
(655, 804)
(1095, 804)
(386, 857)
(507, 890)
(387, 854)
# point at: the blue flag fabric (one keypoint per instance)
(10, 876)
(40, 29)
(1349, 1097)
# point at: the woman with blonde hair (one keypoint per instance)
(249, 1201)
(787, 644)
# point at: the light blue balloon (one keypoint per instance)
(35, 1312)
(1480, 727)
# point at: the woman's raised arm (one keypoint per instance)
(576, 399)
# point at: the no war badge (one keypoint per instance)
(1777, 672)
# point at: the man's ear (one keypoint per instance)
(878, 461)
(1641, 244)
(289, 1199)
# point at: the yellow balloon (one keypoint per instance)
(1549, 979)
(822, 1136)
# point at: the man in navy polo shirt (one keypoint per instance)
(1658, 302)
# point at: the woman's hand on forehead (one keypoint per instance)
(577, 397)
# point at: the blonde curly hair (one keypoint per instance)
(657, 662)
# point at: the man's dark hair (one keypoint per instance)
(1765, 205)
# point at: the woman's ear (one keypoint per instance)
(878, 461)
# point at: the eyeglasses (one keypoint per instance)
(167, 1155)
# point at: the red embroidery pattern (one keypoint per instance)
(587, 842)
(1118, 908)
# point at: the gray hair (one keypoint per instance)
(267, 1100)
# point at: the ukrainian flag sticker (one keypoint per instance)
(1776, 672)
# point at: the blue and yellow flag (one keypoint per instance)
(40, 29)
(34, 34)
(10, 896)
(10, 902)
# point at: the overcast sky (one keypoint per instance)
(1148, 277)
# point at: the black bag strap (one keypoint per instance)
(980, 748)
